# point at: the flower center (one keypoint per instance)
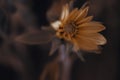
(69, 28)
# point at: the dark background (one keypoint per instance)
(26, 62)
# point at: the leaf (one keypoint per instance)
(35, 38)
(55, 45)
(80, 55)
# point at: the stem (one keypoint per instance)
(66, 62)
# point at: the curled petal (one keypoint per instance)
(56, 25)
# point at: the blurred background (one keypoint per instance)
(30, 62)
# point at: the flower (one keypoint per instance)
(79, 29)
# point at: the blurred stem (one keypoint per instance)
(66, 62)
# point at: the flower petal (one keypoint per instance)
(56, 24)
(65, 13)
(83, 44)
(91, 27)
(82, 14)
(72, 14)
(96, 38)
(85, 20)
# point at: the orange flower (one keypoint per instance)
(79, 29)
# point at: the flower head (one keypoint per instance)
(79, 29)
